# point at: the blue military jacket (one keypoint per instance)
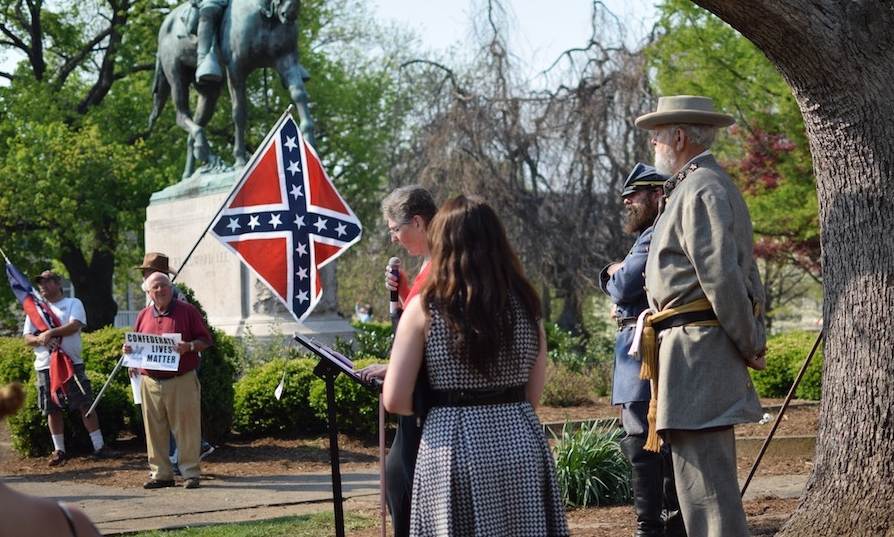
(626, 287)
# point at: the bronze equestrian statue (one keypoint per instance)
(252, 34)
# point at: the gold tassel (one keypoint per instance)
(652, 441)
(648, 352)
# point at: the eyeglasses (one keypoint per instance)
(396, 229)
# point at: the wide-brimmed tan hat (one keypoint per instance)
(685, 109)
(157, 262)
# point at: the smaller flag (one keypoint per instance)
(43, 318)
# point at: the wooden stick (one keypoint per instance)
(788, 398)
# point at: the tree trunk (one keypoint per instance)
(838, 58)
(93, 283)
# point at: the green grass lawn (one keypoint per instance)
(313, 525)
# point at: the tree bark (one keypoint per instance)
(837, 57)
(93, 283)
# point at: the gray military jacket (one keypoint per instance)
(702, 248)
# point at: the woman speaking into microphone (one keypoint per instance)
(408, 211)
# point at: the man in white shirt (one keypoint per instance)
(72, 318)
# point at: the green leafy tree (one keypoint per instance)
(78, 165)
(75, 171)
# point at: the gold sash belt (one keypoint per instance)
(645, 345)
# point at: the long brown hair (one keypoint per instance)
(474, 271)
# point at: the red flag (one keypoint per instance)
(285, 219)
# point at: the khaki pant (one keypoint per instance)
(172, 406)
(707, 485)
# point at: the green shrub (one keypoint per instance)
(371, 340)
(31, 437)
(785, 356)
(811, 386)
(590, 467)
(16, 360)
(102, 350)
(358, 407)
(565, 387)
(256, 411)
(217, 374)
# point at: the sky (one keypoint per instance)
(539, 30)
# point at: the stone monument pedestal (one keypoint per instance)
(236, 301)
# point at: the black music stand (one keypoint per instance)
(330, 365)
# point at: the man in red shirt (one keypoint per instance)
(171, 400)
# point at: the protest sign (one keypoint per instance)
(150, 351)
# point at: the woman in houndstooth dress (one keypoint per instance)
(484, 467)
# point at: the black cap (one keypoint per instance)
(642, 176)
(47, 275)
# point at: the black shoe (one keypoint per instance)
(104, 452)
(58, 458)
(191, 483)
(158, 483)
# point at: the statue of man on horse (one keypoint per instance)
(202, 41)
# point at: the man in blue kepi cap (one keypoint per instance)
(655, 500)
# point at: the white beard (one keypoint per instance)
(664, 162)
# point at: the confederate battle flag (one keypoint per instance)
(285, 219)
(43, 318)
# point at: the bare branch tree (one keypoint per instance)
(550, 161)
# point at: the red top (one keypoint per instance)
(418, 283)
(181, 318)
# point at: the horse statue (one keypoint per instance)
(252, 34)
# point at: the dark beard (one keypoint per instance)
(639, 218)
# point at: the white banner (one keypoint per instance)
(149, 351)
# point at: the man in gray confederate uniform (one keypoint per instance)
(706, 323)
(654, 497)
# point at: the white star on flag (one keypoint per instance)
(341, 229)
(299, 221)
(296, 191)
(302, 273)
(275, 221)
(293, 167)
(302, 249)
(320, 224)
(253, 222)
(234, 224)
(290, 143)
(302, 296)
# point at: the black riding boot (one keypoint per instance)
(647, 486)
(673, 518)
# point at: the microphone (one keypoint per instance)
(394, 303)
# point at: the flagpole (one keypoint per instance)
(236, 185)
(104, 386)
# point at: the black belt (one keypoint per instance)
(684, 319)
(502, 396)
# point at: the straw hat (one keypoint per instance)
(685, 109)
